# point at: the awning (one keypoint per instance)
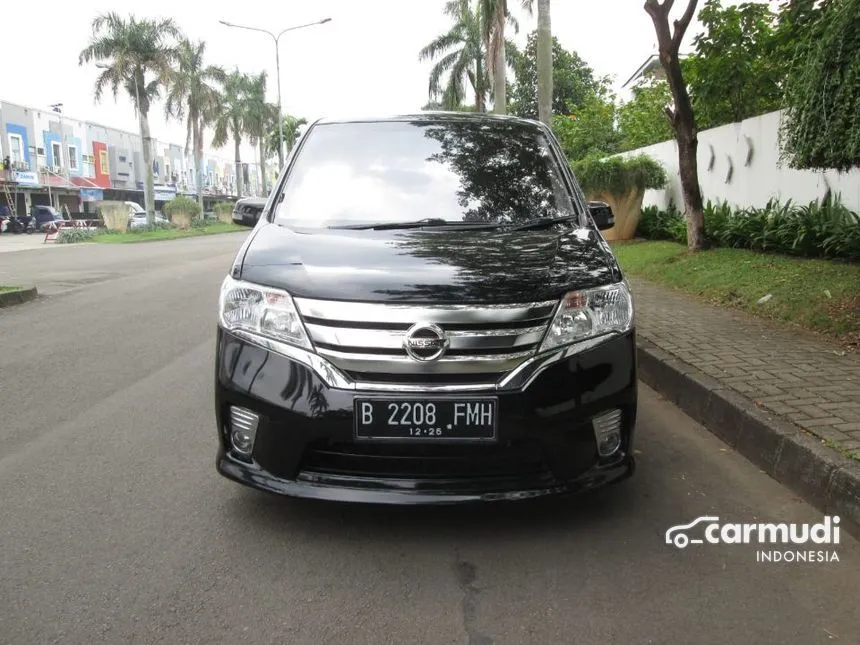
(53, 180)
(85, 182)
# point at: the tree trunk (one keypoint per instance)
(198, 161)
(688, 144)
(682, 118)
(499, 65)
(480, 90)
(263, 163)
(684, 125)
(148, 188)
(500, 91)
(544, 62)
(236, 144)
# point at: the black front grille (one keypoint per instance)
(425, 379)
(426, 461)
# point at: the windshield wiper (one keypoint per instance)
(541, 222)
(421, 223)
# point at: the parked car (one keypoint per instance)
(428, 314)
(137, 216)
(247, 210)
(45, 216)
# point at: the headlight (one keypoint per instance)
(589, 313)
(259, 310)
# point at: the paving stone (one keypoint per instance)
(799, 377)
(813, 411)
(826, 421)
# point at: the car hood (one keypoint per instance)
(427, 266)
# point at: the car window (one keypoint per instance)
(493, 171)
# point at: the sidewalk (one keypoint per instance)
(10, 242)
(772, 393)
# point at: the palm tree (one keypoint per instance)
(460, 53)
(194, 96)
(136, 55)
(496, 16)
(231, 120)
(260, 117)
(291, 127)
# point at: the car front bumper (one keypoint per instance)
(244, 219)
(305, 447)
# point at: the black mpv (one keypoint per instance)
(426, 312)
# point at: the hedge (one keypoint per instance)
(825, 229)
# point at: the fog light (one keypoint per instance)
(243, 430)
(607, 432)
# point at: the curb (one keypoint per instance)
(17, 297)
(820, 475)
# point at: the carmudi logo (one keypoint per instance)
(709, 530)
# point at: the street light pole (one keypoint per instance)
(280, 110)
(277, 39)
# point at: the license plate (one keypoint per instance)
(427, 419)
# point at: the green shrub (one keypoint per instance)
(223, 208)
(75, 235)
(182, 204)
(820, 229)
(619, 175)
(662, 225)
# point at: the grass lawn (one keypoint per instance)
(816, 294)
(167, 233)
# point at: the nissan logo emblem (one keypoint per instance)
(424, 342)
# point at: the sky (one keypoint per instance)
(365, 61)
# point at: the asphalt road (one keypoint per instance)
(115, 527)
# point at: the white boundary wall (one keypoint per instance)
(751, 185)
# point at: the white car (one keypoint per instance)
(137, 216)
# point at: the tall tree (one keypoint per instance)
(495, 13)
(494, 17)
(681, 117)
(590, 130)
(194, 95)
(642, 120)
(735, 72)
(231, 121)
(573, 80)
(459, 54)
(137, 55)
(544, 62)
(291, 126)
(260, 117)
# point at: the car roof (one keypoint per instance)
(430, 115)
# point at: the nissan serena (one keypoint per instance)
(426, 312)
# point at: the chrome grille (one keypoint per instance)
(366, 339)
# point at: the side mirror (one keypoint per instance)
(602, 215)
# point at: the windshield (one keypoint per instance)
(473, 171)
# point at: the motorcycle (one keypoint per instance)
(24, 224)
